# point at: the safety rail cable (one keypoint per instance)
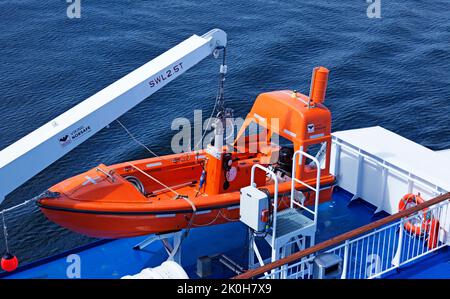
(358, 232)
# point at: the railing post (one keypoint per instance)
(345, 263)
(251, 252)
(273, 242)
(337, 160)
(294, 166)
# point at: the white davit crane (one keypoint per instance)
(28, 156)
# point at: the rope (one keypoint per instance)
(5, 228)
(215, 219)
(209, 122)
(229, 219)
(136, 140)
(185, 198)
(194, 209)
(218, 101)
(153, 178)
(5, 232)
(209, 223)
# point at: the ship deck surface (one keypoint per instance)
(117, 258)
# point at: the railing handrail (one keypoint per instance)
(295, 180)
(343, 237)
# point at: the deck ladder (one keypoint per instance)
(293, 228)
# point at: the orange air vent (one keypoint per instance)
(319, 84)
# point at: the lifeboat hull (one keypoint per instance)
(114, 225)
(122, 225)
(103, 203)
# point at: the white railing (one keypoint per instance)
(275, 198)
(384, 249)
(392, 246)
(295, 180)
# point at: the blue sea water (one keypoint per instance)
(393, 71)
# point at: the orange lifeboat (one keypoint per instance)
(121, 201)
(201, 188)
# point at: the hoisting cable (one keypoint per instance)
(220, 98)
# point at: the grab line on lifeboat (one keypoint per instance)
(185, 198)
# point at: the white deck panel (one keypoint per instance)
(401, 152)
(380, 167)
(444, 154)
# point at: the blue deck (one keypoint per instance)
(433, 266)
(114, 259)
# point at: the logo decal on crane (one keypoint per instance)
(310, 128)
(65, 140)
(74, 135)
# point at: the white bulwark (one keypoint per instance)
(444, 154)
(380, 167)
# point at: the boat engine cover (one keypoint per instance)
(285, 160)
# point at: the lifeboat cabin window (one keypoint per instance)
(253, 139)
(318, 151)
(282, 153)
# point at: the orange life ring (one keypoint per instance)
(433, 234)
(423, 224)
(414, 226)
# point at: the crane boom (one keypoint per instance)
(25, 158)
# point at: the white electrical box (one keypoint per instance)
(253, 203)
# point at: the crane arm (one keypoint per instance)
(33, 153)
